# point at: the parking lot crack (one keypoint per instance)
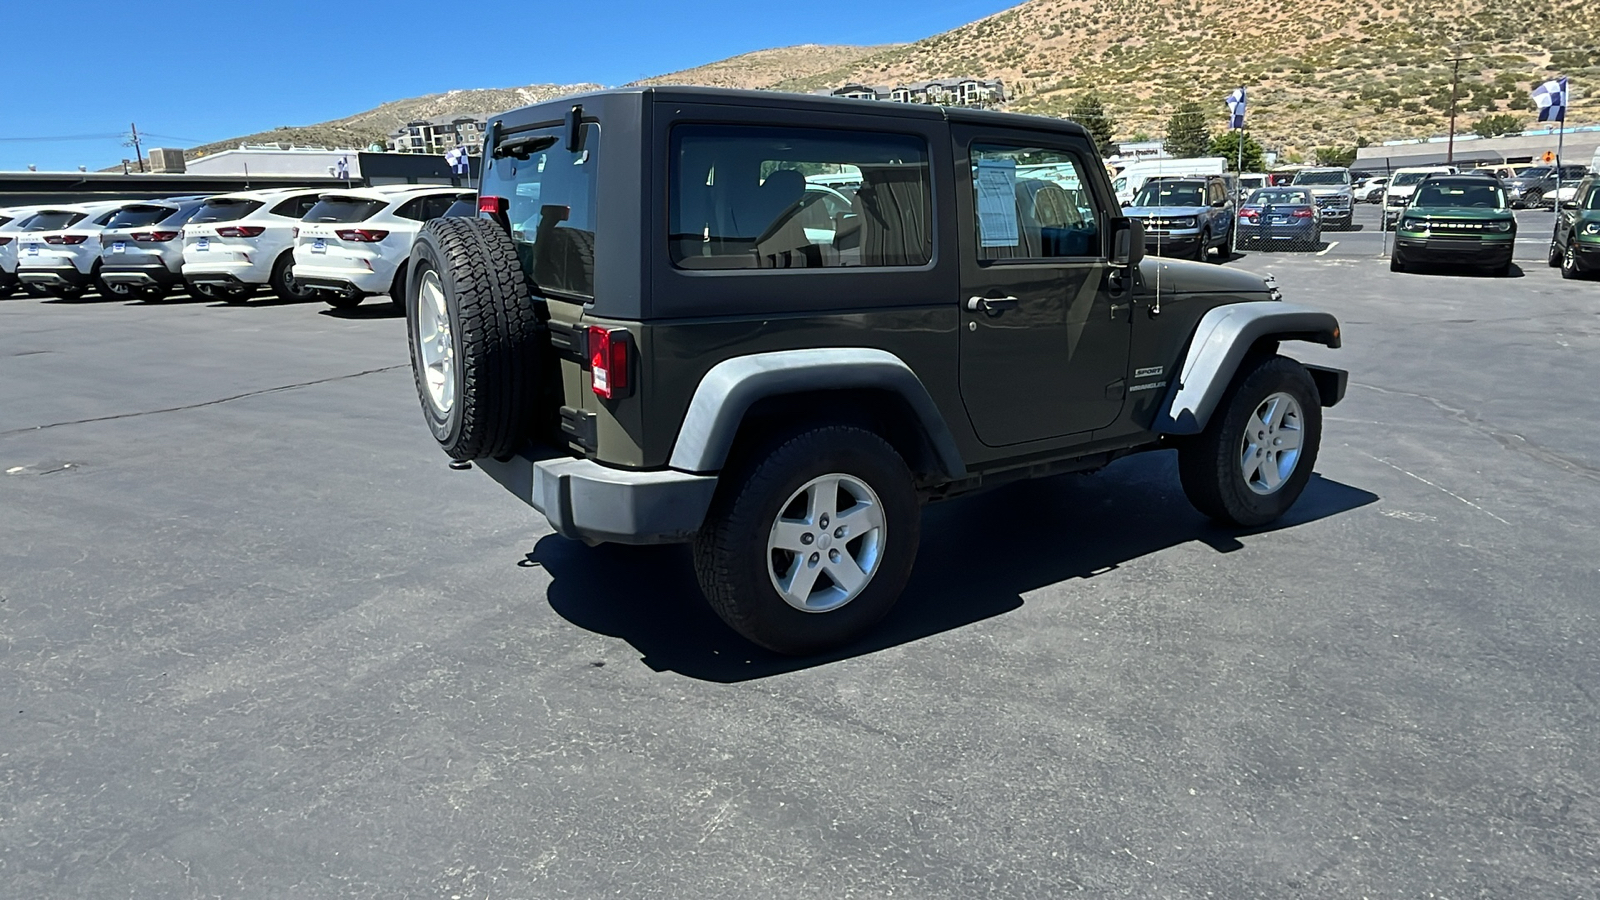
(220, 400)
(1508, 439)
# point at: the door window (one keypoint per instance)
(1032, 203)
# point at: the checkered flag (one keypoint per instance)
(1235, 103)
(1551, 98)
(341, 168)
(457, 159)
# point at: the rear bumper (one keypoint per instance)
(370, 281)
(52, 276)
(140, 274)
(230, 272)
(586, 501)
(1302, 230)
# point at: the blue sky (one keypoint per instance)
(189, 73)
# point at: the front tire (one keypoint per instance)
(1203, 247)
(811, 540)
(1395, 265)
(1555, 254)
(1569, 263)
(1257, 452)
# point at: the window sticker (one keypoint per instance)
(997, 203)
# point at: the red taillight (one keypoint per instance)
(296, 234)
(1302, 214)
(1249, 213)
(361, 235)
(241, 231)
(158, 237)
(494, 206)
(608, 360)
(65, 238)
(4, 240)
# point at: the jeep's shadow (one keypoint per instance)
(979, 555)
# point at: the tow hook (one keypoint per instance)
(460, 465)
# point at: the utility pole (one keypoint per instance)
(137, 152)
(1455, 76)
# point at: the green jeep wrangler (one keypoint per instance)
(775, 325)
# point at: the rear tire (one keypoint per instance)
(397, 289)
(282, 282)
(801, 491)
(473, 332)
(1257, 452)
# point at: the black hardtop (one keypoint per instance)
(595, 102)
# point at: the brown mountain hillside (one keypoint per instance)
(1321, 73)
(374, 125)
(765, 68)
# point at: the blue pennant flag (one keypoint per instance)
(1551, 98)
(1235, 103)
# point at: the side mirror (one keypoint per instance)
(1569, 204)
(1127, 243)
(1127, 203)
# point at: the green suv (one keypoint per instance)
(1576, 244)
(776, 325)
(1459, 220)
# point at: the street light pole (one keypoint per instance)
(1455, 75)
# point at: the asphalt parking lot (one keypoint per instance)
(259, 641)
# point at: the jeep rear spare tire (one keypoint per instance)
(810, 539)
(472, 329)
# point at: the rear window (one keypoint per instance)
(224, 211)
(756, 197)
(551, 208)
(50, 221)
(136, 216)
(344, 209)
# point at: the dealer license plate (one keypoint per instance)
(119, 247)
(319, 246)
(202, 243)
(1280, 220)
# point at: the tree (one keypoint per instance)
(1497, 124)
(1089, 112)
(1335, 156)
(1187, 135)
(1227, 146)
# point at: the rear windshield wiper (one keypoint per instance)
(522, 147)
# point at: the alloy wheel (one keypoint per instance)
(436, 345)
(826, 543)
(1271, 446)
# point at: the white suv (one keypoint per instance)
(237, 242)
(11, 222)
(354, 243)
(58, 250)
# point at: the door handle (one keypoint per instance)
(991, 304)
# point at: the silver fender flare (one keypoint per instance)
(732, 386)
(1221, 340)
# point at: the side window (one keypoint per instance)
(1032, 203)
(412, 209)
(436, 206)
(295, 207)
(757, 197)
